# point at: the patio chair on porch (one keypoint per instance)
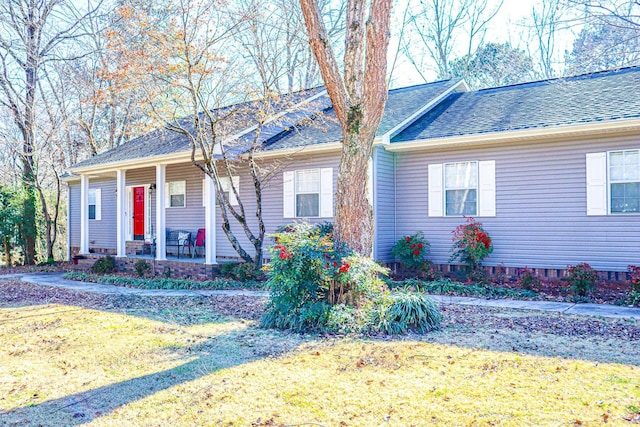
(199, 242)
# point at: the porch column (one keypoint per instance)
(121, 220)
(209, 221)
(161, 233)
(84, 214)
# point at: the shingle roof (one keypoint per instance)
(163, 141)
(309, 126)
(603, 96)
(401, 104)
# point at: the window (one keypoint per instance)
(624, 181)
(613, 182)
(95, 202)
(226, 188)
(461, 188)
(176, 194)
(308, 193)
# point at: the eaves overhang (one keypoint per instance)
(555, 132)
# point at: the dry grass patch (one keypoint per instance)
(396, 383)
(73, 359)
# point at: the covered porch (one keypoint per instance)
(164, 212)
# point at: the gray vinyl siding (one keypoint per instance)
(74, 214)
(385, 204)
(541, 219)
(272, 202)
(191, 217)
(101, 233)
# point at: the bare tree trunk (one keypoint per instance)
(358, 99)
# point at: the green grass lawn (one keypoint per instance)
(63, 364)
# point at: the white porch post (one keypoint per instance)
(121, 202)
(210, 221)
(161, 233)
(84, 214)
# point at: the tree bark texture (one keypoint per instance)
(358, 97)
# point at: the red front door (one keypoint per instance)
(138, 212)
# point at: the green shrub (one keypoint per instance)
(471, 244)
(161, 283)
(106, 265)
(632, 298)
(582, 279)
(240, 271)
(307, 276)
(528, 279)
(449, 287)
(411, 250)
(634, 277)
(142, 268)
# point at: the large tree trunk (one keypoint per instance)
(358, 99)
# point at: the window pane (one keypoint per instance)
(92, 211)
(308, 181)
(461, 175)
(177, 187)
(307, 205)
(625, 198)
(461, 202)
(92, 197)
(177, 200)
(624, 165)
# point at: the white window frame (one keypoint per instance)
(598, 183)
(296, 193)
(96, 194)
(168, 194)
(476, 188)
(485, 190)
(325, 199)
(225, 184)
(610, 181)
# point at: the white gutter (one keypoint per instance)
(508, 136)
(412, 118)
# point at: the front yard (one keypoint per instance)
(69, 358)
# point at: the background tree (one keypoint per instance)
(610, 38)
(32, 35)
(494, 64)
(358, 96)
(442, 29)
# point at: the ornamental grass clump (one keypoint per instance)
(316, 286)
(471, 244)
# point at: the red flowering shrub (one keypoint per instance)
(582, 278)
(634, 273)
(471, 244)
(307, 275)
(411, 250)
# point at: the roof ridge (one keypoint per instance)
(573, 77)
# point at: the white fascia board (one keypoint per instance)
(307, 149)
(556, 132)
(178, 157)
(386, 138)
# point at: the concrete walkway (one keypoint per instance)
(600, 310)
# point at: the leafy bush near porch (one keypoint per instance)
(634, 276)
(106, 265)
(142, 267)
(242, 271)
(162, 283)
(316, 287)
